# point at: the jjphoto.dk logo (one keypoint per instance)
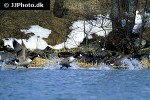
(22, 5)
(25, 4)
(6, 5)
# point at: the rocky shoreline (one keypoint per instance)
(111, 59)
(91, 57)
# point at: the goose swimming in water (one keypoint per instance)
(22, 59)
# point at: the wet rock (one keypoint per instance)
(106, 54)
(87, 57)
(6, 56)
(1, 42)
(139, 43)
(5, 48)
(101, 53)
(64, 54)
(119, 67)
(52, 56)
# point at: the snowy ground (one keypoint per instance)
(34, 42)
(80, 29)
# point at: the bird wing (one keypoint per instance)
(20, 50)
(21, 54)
(17, 46)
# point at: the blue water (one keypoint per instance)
(40, 84)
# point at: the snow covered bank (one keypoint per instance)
(34, 42)
(80, 29)
(37, 31)
(101, 26)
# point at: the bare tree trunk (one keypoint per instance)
(119, 8)
(143, 19)
(58, 10)
(131, 15)
(115, 15)
(123, 10)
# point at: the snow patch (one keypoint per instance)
(34, 42)
(81, 29)
(37, 31)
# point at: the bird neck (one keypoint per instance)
(34, 57)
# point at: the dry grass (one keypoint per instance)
(145, 63)
(39, 62)
(146, 33)
(85, 65)
(14, 20)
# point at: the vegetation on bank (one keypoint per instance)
(12, 21)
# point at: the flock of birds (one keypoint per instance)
(23, 59)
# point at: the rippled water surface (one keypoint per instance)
(40, 84)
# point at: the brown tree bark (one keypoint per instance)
(131, 15)
(115, 15)
(123, 10)
(58, 10)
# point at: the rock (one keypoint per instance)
(139, 43)
(6, 56)
(65, 54)
(101, 53)
(119, 67)
(1, 42)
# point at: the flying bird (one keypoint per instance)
(65, 63)
(22, 59)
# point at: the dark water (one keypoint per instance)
(39, 84)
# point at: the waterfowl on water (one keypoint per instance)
(22, 59)
(68, 59)
(65, 63)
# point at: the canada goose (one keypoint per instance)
(22, 59)
(88, 58)
(65, 63)
(67, 60)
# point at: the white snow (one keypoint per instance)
(59, 46)
(102, 26)
(34, 42)
(8, 41)
(79, 30)
(138, 23)
(38, 31)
